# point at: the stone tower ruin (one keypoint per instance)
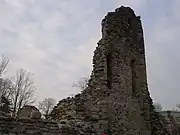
(117, 97)
(119, 74)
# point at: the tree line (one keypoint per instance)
(158, 107)
(19, 90)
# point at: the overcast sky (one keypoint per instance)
(55, 40)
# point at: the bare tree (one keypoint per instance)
(3, 64)
(18, 89)
(4, 83)
(158, 107)
(46, 106)
(82, 83)
(178, 107)
(5, 87)
(23, 90)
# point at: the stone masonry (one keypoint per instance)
(11, 126)
(117, 97)
(116, 100)
(171, 121)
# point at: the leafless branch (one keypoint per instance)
(23, 90)
(46, 106)
(82, 83)
(3, 64)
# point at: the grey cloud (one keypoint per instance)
(41, 47)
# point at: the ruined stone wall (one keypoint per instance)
(65, 109)
(171, 121)
(10, 126)
(117, 97)
(122, 44)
